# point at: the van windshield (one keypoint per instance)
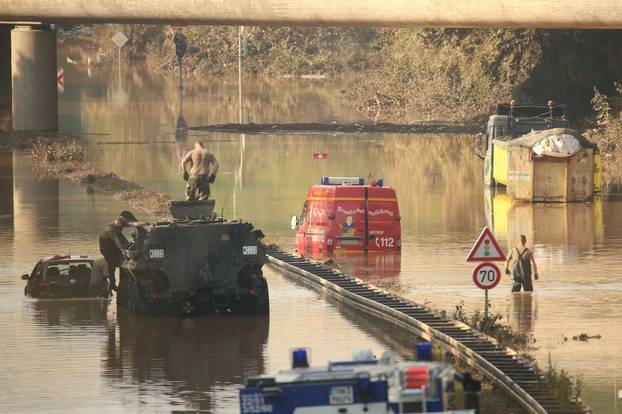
(303, 215)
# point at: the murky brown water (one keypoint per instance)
(82, 355)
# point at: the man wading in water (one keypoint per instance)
(522, 262)
(199, 177)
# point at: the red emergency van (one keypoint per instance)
(345, 214)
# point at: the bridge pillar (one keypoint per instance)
(5, 67)
(33, 71)
(5, 76)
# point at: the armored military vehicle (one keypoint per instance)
(196, 263)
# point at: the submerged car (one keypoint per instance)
(63, 277)
(197, 263)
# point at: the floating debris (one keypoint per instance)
(585, 337)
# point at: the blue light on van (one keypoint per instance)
(379, 182)
(299, 358)
(424, 351)
(342, 181)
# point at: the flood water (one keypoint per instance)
(74, 356)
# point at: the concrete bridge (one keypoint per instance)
(581, 14)
(33, 47)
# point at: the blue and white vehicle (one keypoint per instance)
(363, 385)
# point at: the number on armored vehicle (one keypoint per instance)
(249, 250)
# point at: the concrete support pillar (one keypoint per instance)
(33, 71)
(5, 67)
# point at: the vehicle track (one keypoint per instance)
(500, 366)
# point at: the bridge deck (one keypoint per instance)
(583, 14)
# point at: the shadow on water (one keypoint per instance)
(196, 356)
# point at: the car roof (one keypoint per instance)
(350, 190)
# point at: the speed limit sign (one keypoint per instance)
(486, 275)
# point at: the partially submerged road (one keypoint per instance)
(501, 366)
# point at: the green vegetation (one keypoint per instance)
(565, 389)
(490, 325)
(268, 51)
(607, 133)
(403, 74)
(561, 386)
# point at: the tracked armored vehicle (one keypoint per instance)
(198, 263)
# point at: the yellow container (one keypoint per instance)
(546, 178)
(500, 164)
(598, 172)
(501, 205)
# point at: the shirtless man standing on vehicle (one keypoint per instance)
(202, 172)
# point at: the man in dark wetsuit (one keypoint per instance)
(201, 174)
(111, 244)
(523, 262)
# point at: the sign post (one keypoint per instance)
(119, 39)
(60, 79)
(486, 275)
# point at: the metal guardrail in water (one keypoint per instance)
(500, 366)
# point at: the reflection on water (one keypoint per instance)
(522, 313)
(69, 312)
(36, 197)
(264, 179)
(84, 357)
(6, 183)
(201, 358)
(570, 224)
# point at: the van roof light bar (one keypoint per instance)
(343, 181)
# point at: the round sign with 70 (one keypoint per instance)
(486, 275)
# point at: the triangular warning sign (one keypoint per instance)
(486, 248)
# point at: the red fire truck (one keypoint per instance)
(345, 214)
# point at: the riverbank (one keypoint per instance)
(64, 156)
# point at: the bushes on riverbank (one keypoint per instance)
(607, 134)
(402, 74)
(268, 51)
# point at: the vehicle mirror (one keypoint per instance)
(25, 276)
(293, 222)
